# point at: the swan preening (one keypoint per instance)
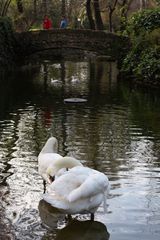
(47, 161)
(46, 158)
(61, 165)
(75, 189)
(78, 190)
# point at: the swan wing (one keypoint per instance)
(66, 183)
(80, 170)
(79, 206)
(78, 190)
(56, 201)
(76, 184)
(93, 185)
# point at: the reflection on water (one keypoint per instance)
(74, 229)
(84, 230)
(50, 215)
(116, 131)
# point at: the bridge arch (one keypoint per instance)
(59, 40)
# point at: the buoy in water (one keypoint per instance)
(75, 100)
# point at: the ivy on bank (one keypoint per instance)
(143, 60)
(142, 21)
(7, 42)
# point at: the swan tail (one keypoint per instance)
(105, 196)
(104, 203)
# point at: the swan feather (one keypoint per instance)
(78, 190)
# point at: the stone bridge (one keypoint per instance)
(60, 41)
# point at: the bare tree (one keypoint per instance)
(63, 7)
(20, 6)
(111, 8)
(35, 9)
(89, 14)
(44, 4)
(4, 7)
(98, 19)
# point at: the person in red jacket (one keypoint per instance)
(47, 24)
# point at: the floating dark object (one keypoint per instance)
(75, 100)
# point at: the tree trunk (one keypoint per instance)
(98, 19)
(44, 6)
(35, 9)
(89, 15)
(110, 19)
(111, 10)
(19, 6)
(1, 8)
(5, 8)
(63, 8)
(123, 15)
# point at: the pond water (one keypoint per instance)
(116, 131)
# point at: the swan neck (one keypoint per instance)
(66, 162)
(50, 147)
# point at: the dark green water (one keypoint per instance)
(117, 131)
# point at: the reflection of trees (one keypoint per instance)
(16, 88)
(76, 124)
(45, 69)
(144, 105)
(104, 139)
(5, 93)
(63, 118)
(108, 133)
(88, 133)
(14, 144)
(13, 92)
(103, 79)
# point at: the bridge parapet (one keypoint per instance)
(98, 42)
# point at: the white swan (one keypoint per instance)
(46, 158)
(78, 190)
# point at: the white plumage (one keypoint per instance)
(79, 190)
(47, 156)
